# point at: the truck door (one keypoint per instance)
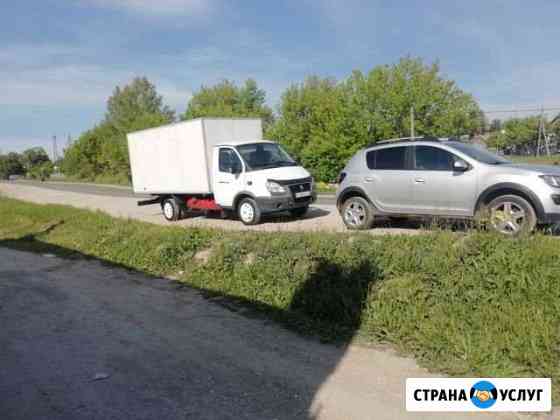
(228, 176)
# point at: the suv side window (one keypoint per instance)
(391, 158)
(228, 161)
(428, 158)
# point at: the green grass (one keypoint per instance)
(324, 188)
(467, 305)
(536, 160)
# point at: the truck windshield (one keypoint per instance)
(264, 155)
(478, 153)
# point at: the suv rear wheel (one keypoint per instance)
(357, 213)
(511, 215)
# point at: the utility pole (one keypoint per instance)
(546, 139)
(55, 151)
(412, 122)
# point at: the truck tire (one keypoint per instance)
(171, 210)
(249, 212)
(299, 212)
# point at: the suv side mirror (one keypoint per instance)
(460, 166)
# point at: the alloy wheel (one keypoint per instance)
(508, 218)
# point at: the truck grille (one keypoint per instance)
(297, 186)
(300, 187)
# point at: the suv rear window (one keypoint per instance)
(391, 158)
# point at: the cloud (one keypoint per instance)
(59, 75)
(157, 7)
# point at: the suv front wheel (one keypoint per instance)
(512, 215)
(357, 213)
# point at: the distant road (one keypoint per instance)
(116, 191)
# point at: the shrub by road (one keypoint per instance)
(468, 305)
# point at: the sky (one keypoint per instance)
(61, 59)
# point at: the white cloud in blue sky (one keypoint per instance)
(61, 59)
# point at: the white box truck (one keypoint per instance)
(217, 165)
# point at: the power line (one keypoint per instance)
(503, 111)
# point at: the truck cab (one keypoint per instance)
(257, 177)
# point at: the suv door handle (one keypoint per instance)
(368, 179)
(419, 180)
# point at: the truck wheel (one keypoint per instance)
(171, 210)
(299, 212)
(357, 213)
(512, 215)
(249, 212)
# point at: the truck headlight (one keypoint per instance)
(275, 187)
(552, 180)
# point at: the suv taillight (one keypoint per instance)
(340, 177)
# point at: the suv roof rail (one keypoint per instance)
(405, 139)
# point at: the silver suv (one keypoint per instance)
(451, 179)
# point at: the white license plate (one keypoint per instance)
(303, 194)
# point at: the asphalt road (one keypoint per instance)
(80, 339)
(158, 352)
(107, 190)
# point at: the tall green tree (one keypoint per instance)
(226, 99)
(102, 150)
(324, 123)
(136, 105)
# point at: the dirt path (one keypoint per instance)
(319, 217)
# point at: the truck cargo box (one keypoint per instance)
(177, 158)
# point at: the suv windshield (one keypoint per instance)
(478, 153)
(264, 156)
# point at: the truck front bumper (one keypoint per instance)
(283, 202)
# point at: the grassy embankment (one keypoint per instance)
(468, 305)
(536, 160)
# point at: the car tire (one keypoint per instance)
(249, 212)
(357, 213)
(299, 212)
(171, 210)
(511, 215)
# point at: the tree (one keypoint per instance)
(34, 157)
(225, 99)
(137, 101)
(520, 135)
(10, 164)
(496, 125)
(102, 150)
(323, 122)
